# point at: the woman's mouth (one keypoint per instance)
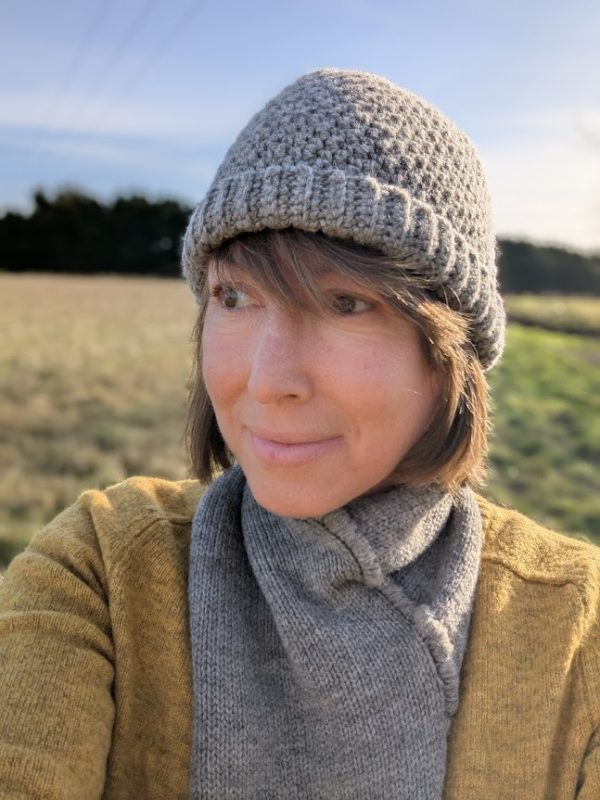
(291, 451)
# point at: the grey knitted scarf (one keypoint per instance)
(326, 652)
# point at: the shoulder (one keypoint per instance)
(538, 554)
(109, 529)
(143, 500)
(132, 510)
(534, 577)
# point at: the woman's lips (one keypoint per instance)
(275, 453)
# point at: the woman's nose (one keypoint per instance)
(280, 366)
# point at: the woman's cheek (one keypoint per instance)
(224, 363)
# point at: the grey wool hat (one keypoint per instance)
(357, 157)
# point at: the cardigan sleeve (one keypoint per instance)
(56, 665)
(589, 778)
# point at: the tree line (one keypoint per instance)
(75, 233)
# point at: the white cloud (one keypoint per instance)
(27, 109)
(544, 171)
(547, 191)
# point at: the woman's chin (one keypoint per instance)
(297, 501)
(302, 499)
(294, 506)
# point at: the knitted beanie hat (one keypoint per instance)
(355, 156)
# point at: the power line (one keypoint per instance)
(149, 63)
(117, 53)
(192, 11)
(85, 44)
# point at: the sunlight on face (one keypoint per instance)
(317, 410)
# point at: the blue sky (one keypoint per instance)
(116, 96)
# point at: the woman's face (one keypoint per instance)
(317, 410)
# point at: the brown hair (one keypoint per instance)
(452, 451)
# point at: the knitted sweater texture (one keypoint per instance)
(95, 660)
(326, 652)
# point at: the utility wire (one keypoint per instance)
(192, 11)
(149, 63)
(72, 70)
(116, 55)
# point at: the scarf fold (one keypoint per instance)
(326, 652)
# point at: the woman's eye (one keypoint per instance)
(231, 298)
(346, 304)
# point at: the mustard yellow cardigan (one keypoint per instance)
(95, 671)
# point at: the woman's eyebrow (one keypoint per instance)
(232, 272)
(333, 280)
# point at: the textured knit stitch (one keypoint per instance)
(355, 156)
(323, 667)
(96, 689)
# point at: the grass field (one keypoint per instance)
(565, 314)
(93, 378)
(546, 444)
(93, 375)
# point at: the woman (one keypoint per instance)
(339, 615)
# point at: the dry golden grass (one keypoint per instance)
(93, 376)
